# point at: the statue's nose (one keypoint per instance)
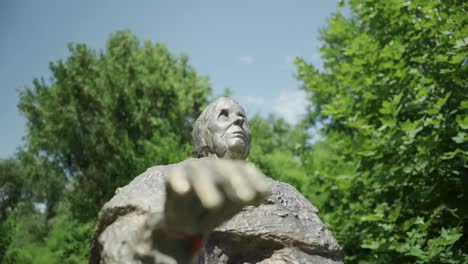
(239, 120)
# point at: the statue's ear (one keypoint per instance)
(202, 141)
(204, 152)
(205, 143)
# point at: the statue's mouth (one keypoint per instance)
(236, 133)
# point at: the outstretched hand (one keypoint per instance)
(203, 193)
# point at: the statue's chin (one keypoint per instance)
(234, 148)
(232, 151)
(235, 152)
(236, 144)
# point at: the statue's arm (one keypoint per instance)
(140, 238)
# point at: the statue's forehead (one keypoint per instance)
(225, 103)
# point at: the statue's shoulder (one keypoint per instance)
(286, 218)
(289, 198)
(144, 193)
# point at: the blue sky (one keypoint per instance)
(248, 46)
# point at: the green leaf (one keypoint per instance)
(370, 245)
(464, 105)
(462, 121)
(451, 154)
(450, 236)
(435, 109)
(411, 128)
(461, 43)
(460, 138)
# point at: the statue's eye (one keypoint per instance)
(223, 113)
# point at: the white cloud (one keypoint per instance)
(290, 104)
(247, 60)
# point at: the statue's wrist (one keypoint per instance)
(172, 242)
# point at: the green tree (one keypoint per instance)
(277, 148)
(104, 117)
(393, 98)
(12, 191)
(12, 186)
(7, 232)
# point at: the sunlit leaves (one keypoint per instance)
(393, 97)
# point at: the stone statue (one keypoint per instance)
(215, 208)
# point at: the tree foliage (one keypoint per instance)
(104, 117)
(7, 229)
(277, 148)
(12, 186)
(393, 97)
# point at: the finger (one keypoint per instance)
(258, 180)
(234, 181)
(178, 181)
(205, 187)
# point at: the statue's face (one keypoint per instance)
(229, 130)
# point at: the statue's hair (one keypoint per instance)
(200, 132)
(201, 136)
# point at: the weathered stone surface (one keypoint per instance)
(284, 229)
(130, 206)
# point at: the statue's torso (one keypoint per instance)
(284, 229)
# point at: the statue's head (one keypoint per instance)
(222, 130)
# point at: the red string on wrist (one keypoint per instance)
(195, 239)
